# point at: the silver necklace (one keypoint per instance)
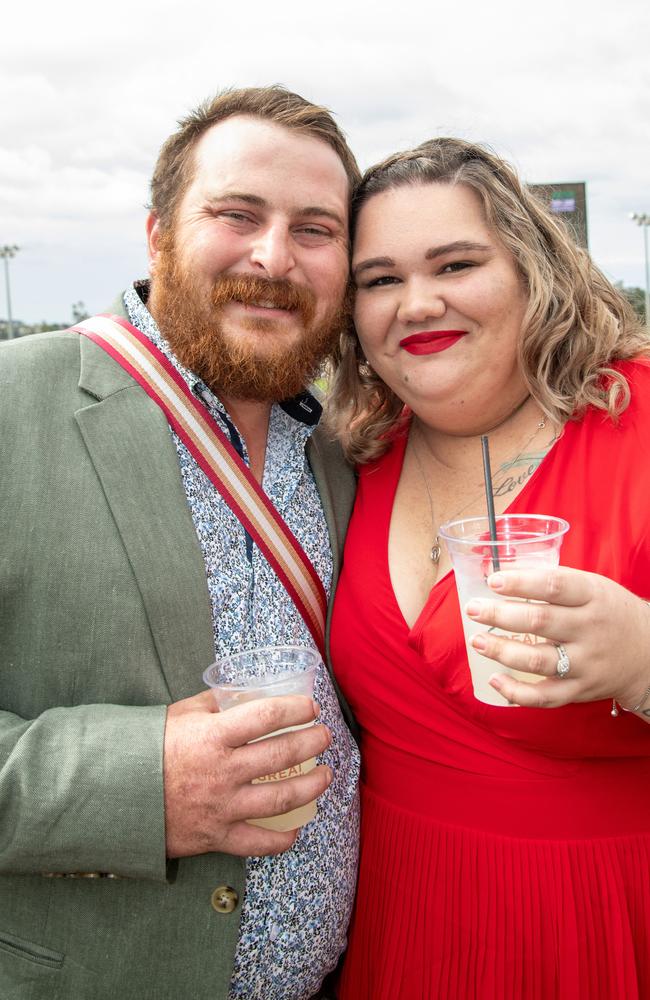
(436, 548)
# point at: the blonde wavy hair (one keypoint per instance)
(575, 326)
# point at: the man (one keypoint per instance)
(127, 866)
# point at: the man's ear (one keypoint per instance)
(154, 232)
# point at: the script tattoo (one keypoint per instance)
(527, 461)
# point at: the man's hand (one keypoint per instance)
(209, 763)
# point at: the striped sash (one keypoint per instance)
(214, 453)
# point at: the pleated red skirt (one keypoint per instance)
(461, 913)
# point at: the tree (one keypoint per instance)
(79, 312)
(636, 298)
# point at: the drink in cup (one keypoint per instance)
(523, 542)
(268, 672)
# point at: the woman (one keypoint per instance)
(505, 852)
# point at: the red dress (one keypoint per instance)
(505, 851)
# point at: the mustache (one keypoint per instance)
(277, 292)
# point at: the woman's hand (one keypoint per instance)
(603, 628)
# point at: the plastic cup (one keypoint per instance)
(523, 542)
(269, 672)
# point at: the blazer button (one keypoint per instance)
(224, 899)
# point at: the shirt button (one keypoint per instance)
(224, 899)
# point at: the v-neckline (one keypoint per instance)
(401, 441)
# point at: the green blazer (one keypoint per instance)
(104, 620)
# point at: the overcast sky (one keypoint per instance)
(89, 92)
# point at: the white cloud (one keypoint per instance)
(563, 90)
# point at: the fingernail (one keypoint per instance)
(473, 609)
(329, 776)
(496, 681)
(479, 642)
(496, 581)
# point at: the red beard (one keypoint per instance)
(193, 329)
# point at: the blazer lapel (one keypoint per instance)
(133, 453)
(336, 485)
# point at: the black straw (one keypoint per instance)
(489, 496)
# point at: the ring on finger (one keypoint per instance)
(563, 662)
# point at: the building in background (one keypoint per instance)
(569, 202)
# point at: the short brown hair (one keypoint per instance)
(576, 324)
(173, 170)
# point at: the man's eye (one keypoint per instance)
(236, 216)
(313, 231)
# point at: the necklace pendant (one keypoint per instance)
(436, 551)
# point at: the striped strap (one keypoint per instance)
(214, 453)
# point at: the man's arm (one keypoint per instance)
(81, 789)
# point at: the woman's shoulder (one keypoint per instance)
(636, 372)
(634, 368)
(609, 440)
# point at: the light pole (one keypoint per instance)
(644, 221)
(6, 252)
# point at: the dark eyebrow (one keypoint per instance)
(459, 246)
(253, 199)
(367, 265)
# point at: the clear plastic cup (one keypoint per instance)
(523, 542)
(269, 672)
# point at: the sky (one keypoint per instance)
(89, 93)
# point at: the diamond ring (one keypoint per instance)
(563, 661)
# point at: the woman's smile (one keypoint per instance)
(431, 341)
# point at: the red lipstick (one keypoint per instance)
(431, 341)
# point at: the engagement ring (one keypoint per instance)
(563, 661)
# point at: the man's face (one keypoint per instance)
(250, 283)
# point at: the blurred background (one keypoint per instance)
(561, 89)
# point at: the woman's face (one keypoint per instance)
(439, 305)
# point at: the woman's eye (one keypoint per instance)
(456, 265)
(380, 282)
